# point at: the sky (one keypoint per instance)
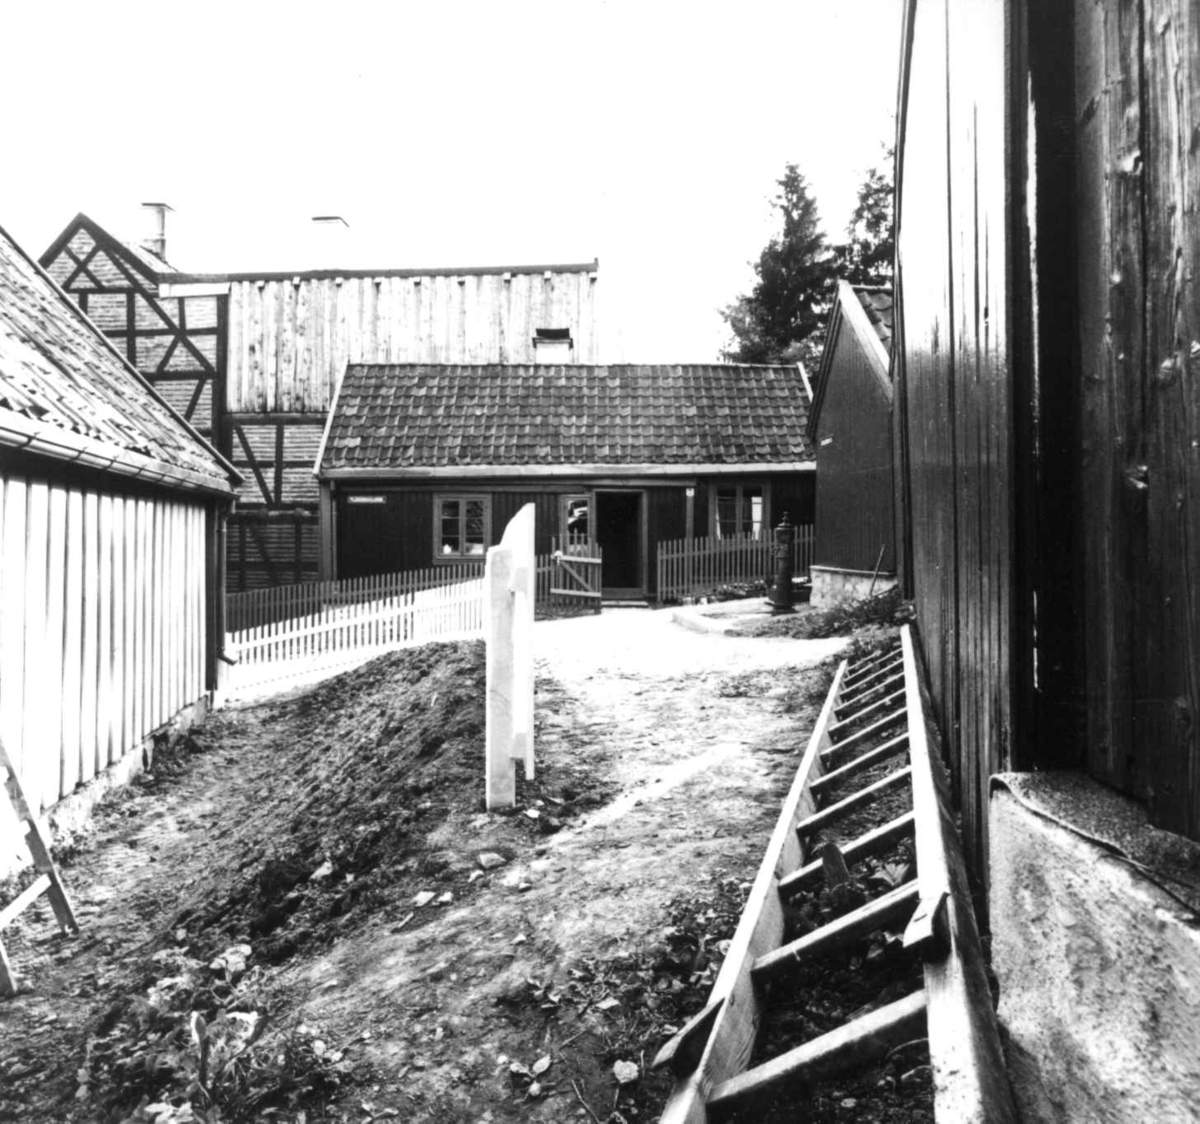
(646, 135)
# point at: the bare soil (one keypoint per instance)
(305, 914)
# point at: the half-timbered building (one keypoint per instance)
(850, 427)
(425, 463)
(253, 358)
(112, 510)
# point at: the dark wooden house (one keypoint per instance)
(112, 510)
(252, 358)
(850, 427)
(425, 463)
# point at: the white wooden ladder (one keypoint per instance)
(47, 882)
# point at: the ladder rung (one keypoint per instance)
(866, 1038)
(859, 715)
(878, 839)
(34, 890)
(865, 733)
(827, 816)
(884, 684)
(895, 904)
(865, 666)
(859, 683)
(871, 757)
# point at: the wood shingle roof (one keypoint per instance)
(442, 417)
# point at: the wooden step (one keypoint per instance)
(872, 757)
(858, 1043)
(895, 905)
(834, 812)
(871, 843)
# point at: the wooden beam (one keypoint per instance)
(871, 843)
(30, 894)
(892, 906)
(855, 1044)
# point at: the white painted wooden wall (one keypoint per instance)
(102, 626)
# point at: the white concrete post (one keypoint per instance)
(509, 577)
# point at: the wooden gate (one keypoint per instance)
(575, 578)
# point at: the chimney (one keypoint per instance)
(156, 241)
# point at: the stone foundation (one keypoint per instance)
(1098, 960)
(832, 585)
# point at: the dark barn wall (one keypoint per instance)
(1137, 143)
(854, 477)
(956, 418)
(1046, 413)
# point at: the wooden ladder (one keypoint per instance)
(48, 880)
(879, 709)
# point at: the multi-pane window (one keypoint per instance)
(738, 509)
(460, 526)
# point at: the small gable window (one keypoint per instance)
(738, 509)
(553, 345)
(460, 526)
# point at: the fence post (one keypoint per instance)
(508, 577)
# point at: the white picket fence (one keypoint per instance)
(691, 567)
(351, 633)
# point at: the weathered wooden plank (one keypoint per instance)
(1168, 719)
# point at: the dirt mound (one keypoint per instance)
(363, 764)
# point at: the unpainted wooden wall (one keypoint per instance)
(1137, 146)
(102, 624)
(954, 415)
(290, 342)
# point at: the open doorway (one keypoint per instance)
(619, 531)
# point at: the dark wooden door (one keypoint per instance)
(619, 532)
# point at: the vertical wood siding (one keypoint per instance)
(1137, 108)
(953, 246)
(854, 478)
(290, 342)
(102, 625)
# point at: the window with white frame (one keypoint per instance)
(460, 526)
(738, 509)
